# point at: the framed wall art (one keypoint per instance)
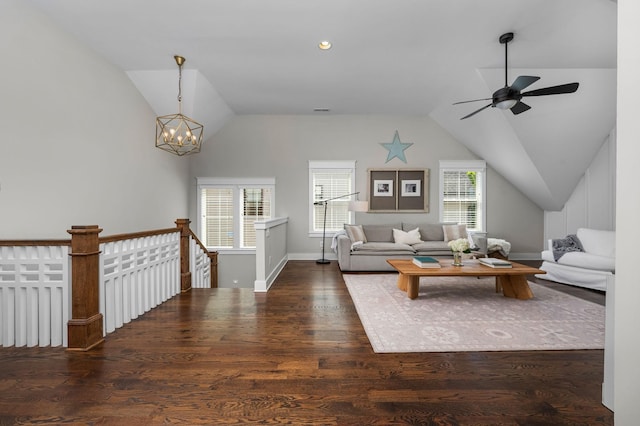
(383, 188)
(410, 188)
(398, 190)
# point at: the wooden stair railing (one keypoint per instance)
(185, 273)
(213, 258)
(34, 292)
(85, 325)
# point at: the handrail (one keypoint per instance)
(197, 240)
(141, 234)
(22, 243)
(107, 239)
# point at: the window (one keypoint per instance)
(230, 207)
(330, 179)
(462, 193)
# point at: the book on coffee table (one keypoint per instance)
(494, 262)
(426, 262)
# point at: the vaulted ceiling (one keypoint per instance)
(413, 57)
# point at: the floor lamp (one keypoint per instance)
(324, 261)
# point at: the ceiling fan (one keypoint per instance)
(509, 97)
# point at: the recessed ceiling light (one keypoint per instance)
(324, 45)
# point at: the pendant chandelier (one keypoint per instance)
(177, 133)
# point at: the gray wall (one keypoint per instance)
(593, 202)
(78, 139)
(281, 146)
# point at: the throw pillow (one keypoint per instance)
(380, 233)
(411, 237)
(428, 231)
(355, 233)
(453, 232)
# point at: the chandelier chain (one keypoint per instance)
(180, 89)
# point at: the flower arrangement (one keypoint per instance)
(461, 245)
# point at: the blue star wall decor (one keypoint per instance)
(396, 148)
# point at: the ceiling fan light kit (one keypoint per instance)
(509, 97)
(506, 104)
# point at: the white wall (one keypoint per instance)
(593, 202)
(627, 297)
(77, 139)
(281, 146)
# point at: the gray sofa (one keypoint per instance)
(372, 255)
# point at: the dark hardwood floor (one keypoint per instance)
(295, 355)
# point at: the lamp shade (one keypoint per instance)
(358, 206)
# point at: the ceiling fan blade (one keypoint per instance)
(475, 100)
(523, 82)
(553, 90)
(519, 108)
(476, 111)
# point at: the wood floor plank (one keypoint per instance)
(295, 355)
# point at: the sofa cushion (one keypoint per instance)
(380, 233)
(428, 231)
(411, 237)
(454, 232)
(383, 247)
(588, 261)
(598, 242)
(431, 245)
(355, 233)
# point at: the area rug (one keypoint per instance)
(457, 314)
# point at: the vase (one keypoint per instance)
(457, 258)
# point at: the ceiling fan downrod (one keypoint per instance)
(505, 39)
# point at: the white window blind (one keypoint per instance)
(229, 209)
(217, 224)
(462, 193)
(256, 206)
(329, 180)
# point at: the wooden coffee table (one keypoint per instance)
(512, 280)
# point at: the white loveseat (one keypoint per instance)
(593, 267)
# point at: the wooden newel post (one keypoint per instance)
(85, 326)
(185, 272)
(213, 272)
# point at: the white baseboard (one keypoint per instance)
(262, 286)
(332, 256)
(525, 256)
(312, 256)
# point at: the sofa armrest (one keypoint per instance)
(344, 252)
